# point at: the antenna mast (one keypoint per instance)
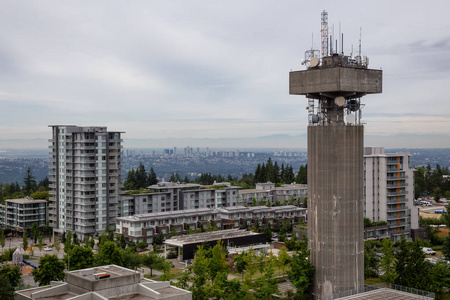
(324, 33)
(360, 33)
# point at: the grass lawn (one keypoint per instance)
(177, 272)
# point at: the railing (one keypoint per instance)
(390, 186)
(367, 288)
(397, 177)
(397, 193)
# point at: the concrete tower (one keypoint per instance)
(334, 85)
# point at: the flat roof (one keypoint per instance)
(196, 238)
(169, 214)
(26, 200)
(168, 184)
(112, 270)
(384, 293)
(232, 209)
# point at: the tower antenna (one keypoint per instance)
(324, 33)
(360, 33)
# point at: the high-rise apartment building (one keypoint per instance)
(85, 178)
(389, 191)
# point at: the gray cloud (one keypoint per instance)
(160, 69)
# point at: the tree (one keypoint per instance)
(44, 195)
(437, 193)
(109, 254)
(121, 241)
(240, 263)
(24, 240)
(130, 182)
(79, 257)
(217, 263)
(48, 230)
(283, 258)
(200, 269)
(43, 184)
(40, 243)
(302, 270)
(268, 233)
(57, 245)
(417, 271)
(12, 274)
(183, 280)
(370, 261)
(141, 178)
(267, 283)
(68, 242)
(50, 269)
(387, 262)
(152, 261)
(6, 290)
(2, 238)
(446, 247)
(132, 260)
(234, 290)
(302, 175)
(29, 182)
(34, 231)
(75, 239)
(153, 179)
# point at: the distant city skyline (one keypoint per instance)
(190, 74)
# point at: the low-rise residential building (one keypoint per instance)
(146, 227)
(20, 214)
(171, 196)
(270, 194)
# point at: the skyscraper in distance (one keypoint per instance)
(85, 179)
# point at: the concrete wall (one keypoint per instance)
(94, 285)
(335, 207)
(338, 79)
(51, 291)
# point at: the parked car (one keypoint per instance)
(47, 249)
(428, 251)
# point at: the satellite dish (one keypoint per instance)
(314, 61)
(339, 101)
(350, 118)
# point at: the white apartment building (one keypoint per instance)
(85, 178)
(172, 196)
(20, 214)
(270, 194)
(145, 227)
(389, 191)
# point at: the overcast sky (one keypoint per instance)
(212, 69)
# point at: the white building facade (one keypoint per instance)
(85, 178)
(389, 191)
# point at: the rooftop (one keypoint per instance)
(105, 282)
(384, 293)
(169, 214)
(26, 201)
(179, 241)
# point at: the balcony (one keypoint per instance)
(395, 201)
(397, 193)
(391, 210)
(397, 185)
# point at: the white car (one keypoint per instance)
(47, 249)
(428, 251)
